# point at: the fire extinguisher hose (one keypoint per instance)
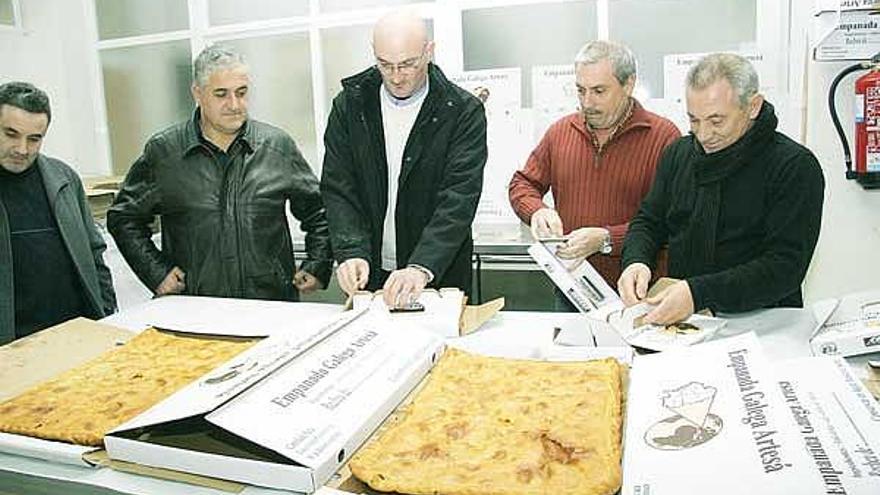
(850, 174)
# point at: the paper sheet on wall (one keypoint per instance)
(509, 137)
(676, 66)
(848, 35)
(554, 95)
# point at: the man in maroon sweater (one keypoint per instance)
(599, 162)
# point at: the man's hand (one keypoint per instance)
(353, 275)
(306, 282)
(173, 283)
(582, 243)
(633, 283)
(673, 304)
(404, 286)
(546, 223)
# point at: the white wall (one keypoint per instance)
(846, 256)
(55, 52)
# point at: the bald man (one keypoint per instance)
(403, 170)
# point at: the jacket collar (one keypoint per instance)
(367, 82)
(53, 180)
(194, 139)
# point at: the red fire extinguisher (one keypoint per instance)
(867, 116)
(868, 123)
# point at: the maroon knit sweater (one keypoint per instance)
(593, 187)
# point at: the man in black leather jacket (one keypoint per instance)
(219, 183)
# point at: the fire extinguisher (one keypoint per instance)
(867, 121)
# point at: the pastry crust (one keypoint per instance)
(493, 426)
(82, 404)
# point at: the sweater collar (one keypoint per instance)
(414, 99)
(638, 118)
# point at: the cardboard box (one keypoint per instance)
(695, 329)
(577, 279)
(31, 360)
(588, 291)
(852, 328)
(711, 419)
(226, 316)
(284, 414)
(345, 483)
(837, 422)
(443, 312)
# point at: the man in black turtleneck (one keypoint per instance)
(51, 266)
(739, 204)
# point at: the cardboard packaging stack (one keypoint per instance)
(851, 327)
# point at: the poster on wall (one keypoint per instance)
(498, 89)
(854, 36)
(677, 65)
(675, 69)
(509, 132)
(554, 95)
(822, 6)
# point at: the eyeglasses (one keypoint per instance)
(407, 67)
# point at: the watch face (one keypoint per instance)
(606, 246)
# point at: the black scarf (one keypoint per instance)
(710, 171)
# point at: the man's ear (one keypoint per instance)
(755, 106)
(196, 94)
(630, 85)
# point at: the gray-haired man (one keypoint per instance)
(220, 182)
(598, 163)
(739, 204)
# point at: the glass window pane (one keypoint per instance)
(281, 92)
(121, 18)
(347, 51)
(719, 25)
(146, 88)
(501, 37)
(231, 11)
(335, 5)
(7, 14)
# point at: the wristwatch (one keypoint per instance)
(607, 246)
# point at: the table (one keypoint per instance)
(783, 333)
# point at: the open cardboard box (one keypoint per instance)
(36, 358)
(722, 418)
(286, 413)
(345, 482)
(444, 311)
(588, 291)
(335, 480)
(848, 326)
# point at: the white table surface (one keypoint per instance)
(783, 332)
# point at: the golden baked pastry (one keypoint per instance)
(493, 426)
(82, 404)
